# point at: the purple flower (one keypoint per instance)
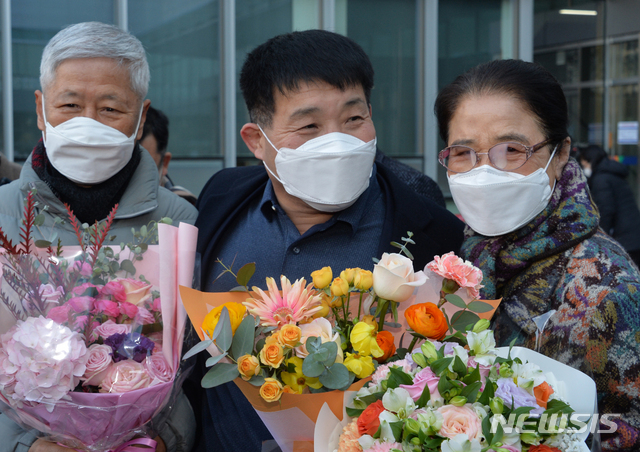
(129, 346)
(508, 391)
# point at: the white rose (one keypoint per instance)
(394, 278)
(321, 328)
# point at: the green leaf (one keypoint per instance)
(220, 374)
(440, 365)
(143, 231)
(312, 344)
(354, 412)
(400, 376)
(42, 243)
(197, 349)
(444, 384)
(215, 359)
(327, 353)
(312, 368)
(456, 300)
(461, 319)
(424, 397)
(335, 377)
(238, 289)
(479, 306)
(396, 428)
(486, 429)
(245, 273)
(257, 380)
(128, 266)
(457, 337)
(459, 367)
(473, 376)
(243, 339)
(497, 437)
(487, 394)
(222, 332)
(114, 266)
(38, 220)
(394, 311)
(471, 391)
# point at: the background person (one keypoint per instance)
(155, 139)
(533, 230)
(8, 170)
(619, 214)
(91, 109)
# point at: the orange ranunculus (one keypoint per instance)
(385, 341)
(542, 393)
(543, 448)
(369, 422)
(427, 319)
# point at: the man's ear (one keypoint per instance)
(165, 163)
(252, 137)
(41, 124)
(562, 156)
(370, 111)
(143, 118)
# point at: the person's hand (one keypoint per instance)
(42, 445)
(160, 447)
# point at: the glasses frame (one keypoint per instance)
(530, 150)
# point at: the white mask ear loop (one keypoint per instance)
(550, 158)
(275, 148)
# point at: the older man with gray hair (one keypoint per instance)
(91, 111)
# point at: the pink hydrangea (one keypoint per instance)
(450, 266)
(41, 361)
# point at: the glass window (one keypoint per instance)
(386, 30)
(30, 33)
(563, 64)
(592, 63)
(182, 44)
(623, 59)
(623, 101)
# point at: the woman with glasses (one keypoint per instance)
(533, 230)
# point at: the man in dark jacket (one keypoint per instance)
(619, 214)
(317, 200)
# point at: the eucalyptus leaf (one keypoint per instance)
(330, 350)
(38, 220)
(42, 243)
(197, 349)
(257, 380)
(335, 377)
(224, 334)
(461, 319)
(220, 374)
(312, 368)
(128, 266)
(479, 306)
(456, 300)
(243, 339)
(245, 273)
(215, 359)
(312, 344)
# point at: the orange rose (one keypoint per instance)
(248, 366)
(385, 342)
(287, 390)
(427, 319)
(289, 335)
(271, 390)
(272, 355)
(368, 422)
(542, 393)
(543, 448)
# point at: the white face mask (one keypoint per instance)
(495, 202)
(329, 173)
(86, 151)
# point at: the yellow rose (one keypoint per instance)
(363, 340)
(271, 390)
(348, 274)
(360, 365)
(326, 307)
(298, 381)
(339, 287)
(363, 280)
(236, 314)
(322, 278)
(274, 338)
(289, 336)
(272, 355)
(248, 366)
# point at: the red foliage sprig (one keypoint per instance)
(99, 235)
(29, 218)
(75, 224)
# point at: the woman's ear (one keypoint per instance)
(562, 156)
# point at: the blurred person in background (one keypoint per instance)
(155, 138)
(619, 214)
(8, 170)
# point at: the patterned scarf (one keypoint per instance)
(525, 266)
(89, 204)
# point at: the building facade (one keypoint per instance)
(196, 48)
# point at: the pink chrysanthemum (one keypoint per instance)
(297, 303)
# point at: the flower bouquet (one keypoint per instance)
(297, 348)
(465, 395)
(89, 352)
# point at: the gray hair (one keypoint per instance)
(96, 40)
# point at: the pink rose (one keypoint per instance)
(99, 361)
(110, 328)
(59, 314)
(81, 304)
(144, 317)
(136, 292)
(420, 380)
(82, 267)
(113, 289)
(157, 339)
(108, 307)
(459, 419)
(128, 309)
(450, 266)
(394, 278)
(158, 369)
(125, 376)
(157, 305)
(484, 370)
(82, 288)
(50, 294)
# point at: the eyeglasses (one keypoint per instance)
(507, 156)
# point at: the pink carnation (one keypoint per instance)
(97, 365)
(82, 288)
(109, 328)
(463, 272)
(82, 267)
(384, 447)
(128, 309)
(158, 368)
(107, 307)
(125, 376)
(41, 361)
(81, 304)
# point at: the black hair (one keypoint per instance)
(593, 154)
(157, 124)
(530, 83)
(283, 62)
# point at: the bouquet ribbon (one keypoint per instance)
(130, 446)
